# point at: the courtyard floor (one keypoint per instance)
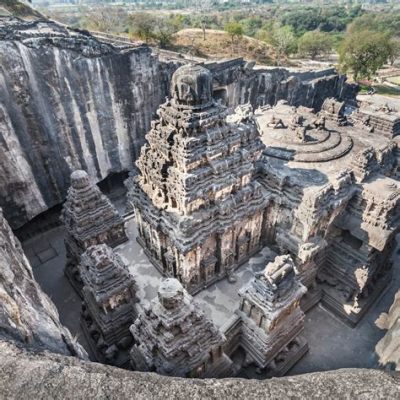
(332, 343)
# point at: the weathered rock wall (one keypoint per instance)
(237, 82)
(24, 375)
(68, 102)
(388, 348)
(27, 315)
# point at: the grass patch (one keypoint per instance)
(387, 90)
(394, 79)
(18, 9)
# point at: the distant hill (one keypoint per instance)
(218, 44)
(19, 9)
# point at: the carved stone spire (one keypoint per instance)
(89, 219)
(175, 338)
(198, 207)
(271, 317)
(109, 303)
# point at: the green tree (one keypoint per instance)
(315, 43)
(165, 28)
(234, 30)
(142, 26)
(380, 22)
(283, 41)
(251, 25)
(394, 50)
(364, 52)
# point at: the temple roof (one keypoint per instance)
(104, 273)
(87, 213)
(175, 329)
(275, 288)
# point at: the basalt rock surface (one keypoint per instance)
(238, 82)
(27, 315)
(388, 348)
(68, 102)
(25, 375)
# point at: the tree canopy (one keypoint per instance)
(315, 43)
(283, 41)
(364, 52)
(234, 29)
(142, 26)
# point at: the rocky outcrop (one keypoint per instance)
(25, 375)
(27, 315)
(237, 82)
(388, 348)
(68, 102)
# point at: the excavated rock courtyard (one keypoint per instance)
(333, 344)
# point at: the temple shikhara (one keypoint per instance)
(109, 303)
(175, 337)
(314, 195)
(198, 206)
(89, 219)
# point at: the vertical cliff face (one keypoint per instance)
(27, 315)
(388, 348)
(236, 82)
(68, 102)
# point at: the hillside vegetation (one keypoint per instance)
(19, 9)
(218, 44)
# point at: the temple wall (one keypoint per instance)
(213, 257)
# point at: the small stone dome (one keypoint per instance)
(191, 86)
(79, 179)
(170, 293)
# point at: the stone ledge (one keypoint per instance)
(25, 375)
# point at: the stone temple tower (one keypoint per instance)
(198, 208)
(108, 310)
(89, 219)
(271, 318)
(175, 338)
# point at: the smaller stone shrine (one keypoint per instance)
(382, 119)
(108, 308)
(334, 110)
(89, 219)
(271, 320)
(175, 338)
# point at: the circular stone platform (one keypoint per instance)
(320, 145)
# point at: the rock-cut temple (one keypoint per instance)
(320, 190)
(198, 206)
